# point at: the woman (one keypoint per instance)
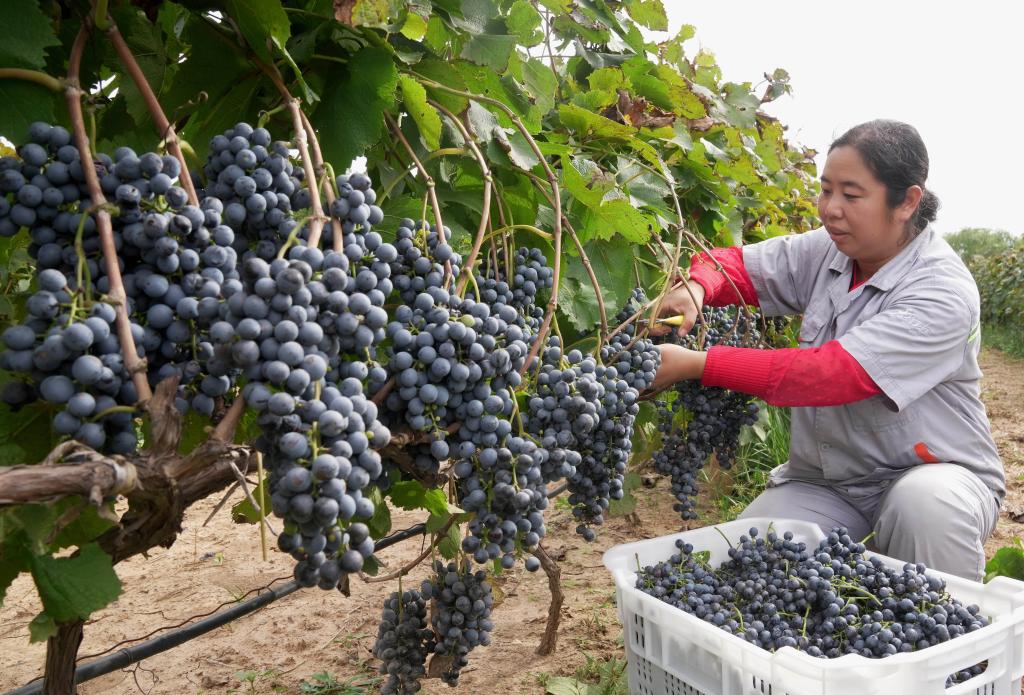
(889, 434)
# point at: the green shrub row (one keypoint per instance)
(1000, 279)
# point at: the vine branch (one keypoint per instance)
(164, 128)
(549, 312)
(554, 573)
(603, 333)
(485, 216)
(337, 236)
(431, 188)
(135, 366)
(54, 84)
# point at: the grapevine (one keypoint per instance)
(214, 294)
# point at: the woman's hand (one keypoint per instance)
(677, 364)
(686, 301)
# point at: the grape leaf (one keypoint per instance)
(626, 505)
(24, 102)
(525, 22)
(425, 116)
(217, 115)
(370, 566)
(377, 14)
(450, 545)
(263, 23)
(411, 494)
(649, 13)
(25, 34)
(74, 587)
(211, 66)
(576, 296)
(244, 512)
(147, 44)
(380, 523)
(490, 50)
(540, 84)
(194, 431)
(15, 554)
(1007, 562)
(87, 526)
(348, 126)
(41, 628)
(587, 123)
(26, 434)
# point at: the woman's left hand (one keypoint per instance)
(678, 363)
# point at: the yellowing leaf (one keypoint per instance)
(415, 99)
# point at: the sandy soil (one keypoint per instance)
(313, 631)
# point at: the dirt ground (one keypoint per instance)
(312, 631)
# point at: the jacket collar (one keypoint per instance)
(890, 273)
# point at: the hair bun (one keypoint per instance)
(927, 209)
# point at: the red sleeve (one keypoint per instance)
(820, 376)
(718, 291)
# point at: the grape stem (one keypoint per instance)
(337, 236)
(431, 189)
(485, 216)
(602, 335)
(100, 15)
(54, 84)
(164, 128)
(555, 194)
(316, 225)
(549, 313)
(408, 170)
(404, 570)
(118, 298)
(512, 227)
(294, 236)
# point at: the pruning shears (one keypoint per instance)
(667, 321)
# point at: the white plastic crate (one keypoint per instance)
(671, 652)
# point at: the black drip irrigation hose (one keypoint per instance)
(130, 655)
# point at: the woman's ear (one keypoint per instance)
(905, 211)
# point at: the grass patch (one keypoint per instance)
(763, 446)
(1008, 339)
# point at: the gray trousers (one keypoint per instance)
(939, 514)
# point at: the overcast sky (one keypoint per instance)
(952, 70)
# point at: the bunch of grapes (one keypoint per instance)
(583, 414)
(404, 640)
(455, 361)
(461, 613)
(716, 415)
(829, 601)
(177, 264)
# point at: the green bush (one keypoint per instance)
(974, 241)
(1000, 281)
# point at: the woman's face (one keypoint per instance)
(853, 208)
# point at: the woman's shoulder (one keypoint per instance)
(938, 266)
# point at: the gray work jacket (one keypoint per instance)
(913, 327)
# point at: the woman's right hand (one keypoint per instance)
(686, 300)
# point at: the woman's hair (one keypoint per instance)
(896, 155)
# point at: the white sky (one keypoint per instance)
(952, 70)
